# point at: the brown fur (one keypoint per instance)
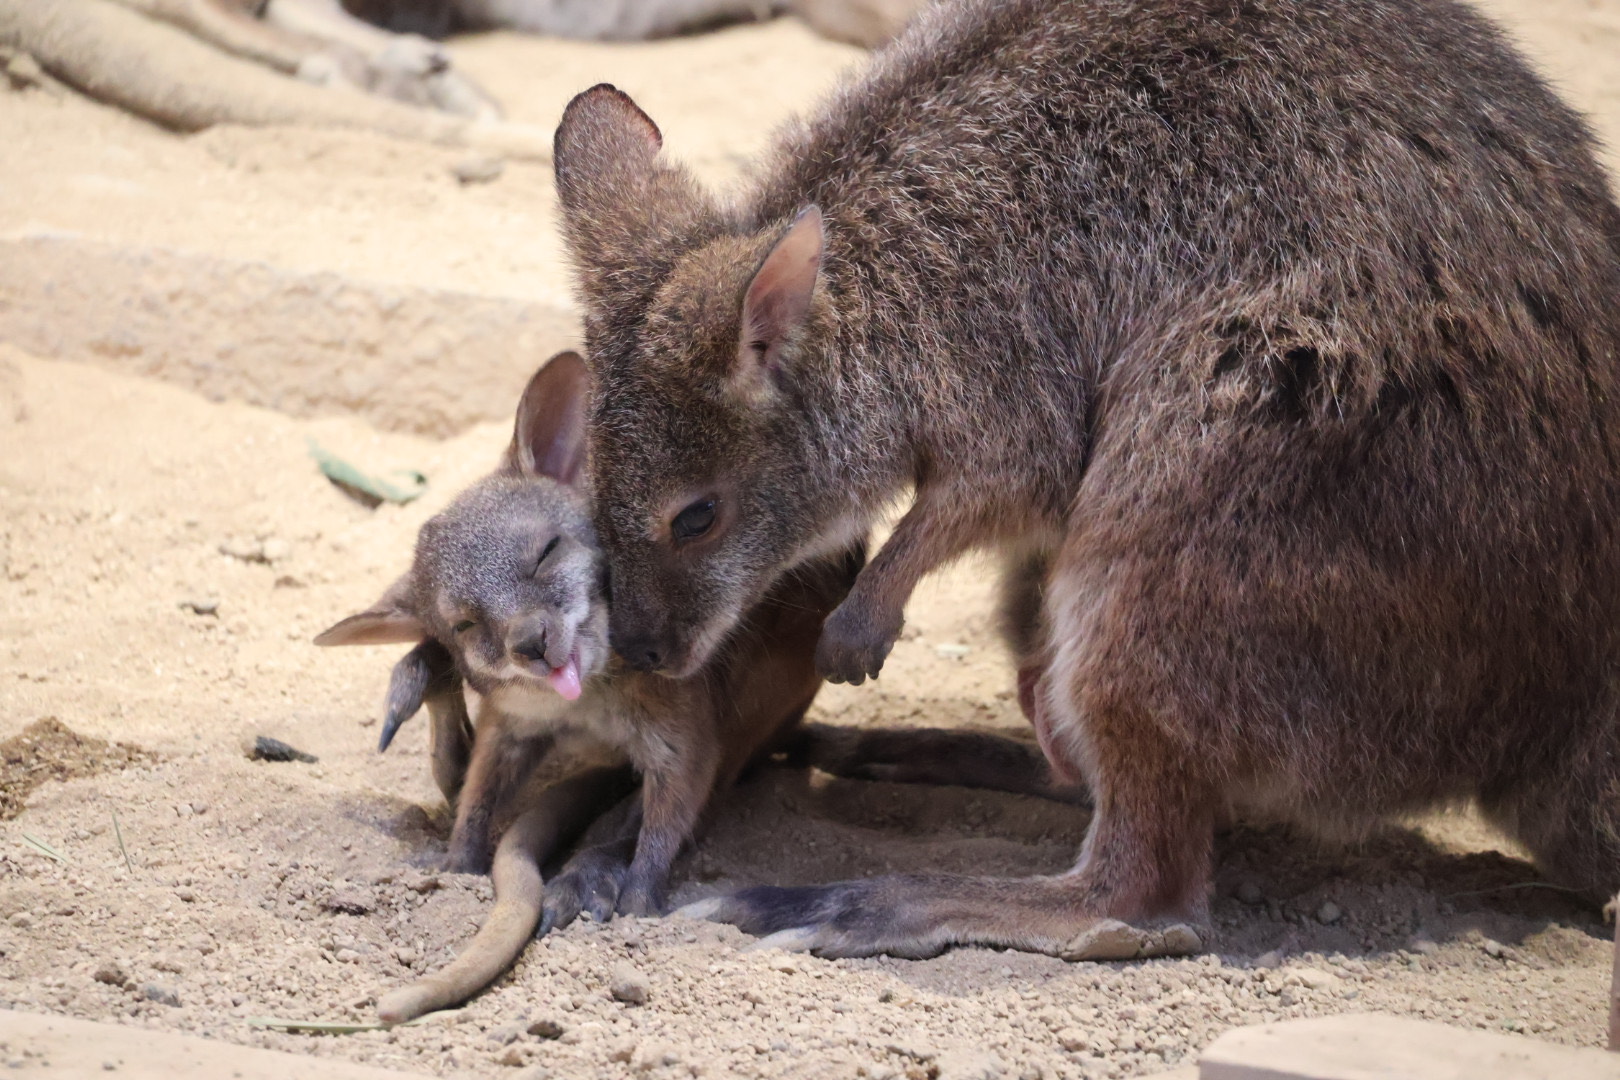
(508, 585)
(1283, 333)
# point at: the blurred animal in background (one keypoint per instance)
(868, 23)
(191, 64)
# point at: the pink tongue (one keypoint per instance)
(565, 680)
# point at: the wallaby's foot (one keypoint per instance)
(471, 841)
(642, 896)
(589, 884)
(855, 640)
(917, 917)
(467, 856)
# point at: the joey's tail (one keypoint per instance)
(560, 813)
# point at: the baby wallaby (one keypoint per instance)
(1275, 344)
(508, 594)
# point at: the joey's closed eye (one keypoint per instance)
(694, 521)
(545, 552)
(463, 626)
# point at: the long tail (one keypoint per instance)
(560, 813)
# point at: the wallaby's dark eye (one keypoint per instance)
(545, 553)
(463, 626)
(694, 521)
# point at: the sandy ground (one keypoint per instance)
(200, 889)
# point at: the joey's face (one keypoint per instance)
(516, 586)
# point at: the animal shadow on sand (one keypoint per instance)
(1278, 891)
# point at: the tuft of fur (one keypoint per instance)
(1281, 333)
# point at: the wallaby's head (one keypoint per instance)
(706, 339)
(509, 578)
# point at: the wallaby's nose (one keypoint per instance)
(533, 648)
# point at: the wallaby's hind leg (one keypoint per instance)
(1141, 885)
(406, 67)
(975, 759)
(450, 742)
(500, 764)
(230, 26)
(1570, 819)
(1139, 889)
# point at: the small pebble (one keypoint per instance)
(629, 985)
(1313, 978)
(546, 1028)
(350, 902)
(513, 1057)
(953, 651)
(161, 993)
(111, 974)
(207, 606)
(1249, 893)
(267, 749)
(505, 1035)
(1329, 913)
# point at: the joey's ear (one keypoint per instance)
(549, 437)
(618, 199)
(388, 621)
(778, 299)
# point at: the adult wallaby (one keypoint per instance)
(1282, 334)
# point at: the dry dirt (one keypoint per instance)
(165, 559)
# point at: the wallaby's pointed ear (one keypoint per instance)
(549, 437)
(389, 621)
(602, 129)
(619, 199)
(778, 299)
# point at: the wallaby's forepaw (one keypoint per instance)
(590, 884)
(855, 640)
(914, 919)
